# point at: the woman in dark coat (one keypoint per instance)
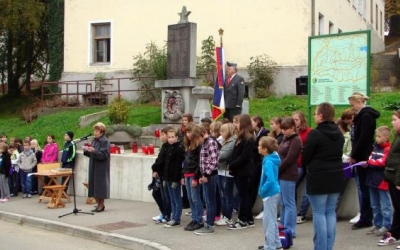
(99, 166)
(322, 158)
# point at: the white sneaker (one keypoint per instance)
(158, 217)
(355, 219)
(259, 216)
(222, 221)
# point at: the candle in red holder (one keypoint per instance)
(145, 149)
(118, 150)
(151, 149)
(157, 133)
(134, 147)
(113, 149)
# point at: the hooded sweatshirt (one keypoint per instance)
(363, 133)
(322, 159)
(269, 183)
(27, 161)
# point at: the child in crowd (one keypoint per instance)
(186, 119)
(13, 180)
(235, 121)
(5, 165)
(19, 143)
(4, 138)
(50, 151)
(191, 176)
(259, 131)
(215, 131)
(38, 153)
(225, 180)
(68, 154)
(378, 187)
(26, 162)
(209, 177)
(269, 191)
(302, 130)
(243, 170)
(289, 151)
(276, 131)
(160, 194)
(172, 174)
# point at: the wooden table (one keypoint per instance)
(54, 185)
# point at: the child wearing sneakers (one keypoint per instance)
(172, 176)
(209, 177)
(378, 187)
(191, 175)
(269, 191)
(161, 195)
(26, 162)
(5, 165)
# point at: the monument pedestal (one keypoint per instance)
(184, 87)
(203, 109)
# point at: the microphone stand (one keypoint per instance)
(76, 210)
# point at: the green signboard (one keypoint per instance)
(338, 65)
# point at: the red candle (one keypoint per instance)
(151, 149)
(144, 149)
(134, 147)
(157, 133)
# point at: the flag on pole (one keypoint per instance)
(218, 101)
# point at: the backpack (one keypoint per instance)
(286, 237)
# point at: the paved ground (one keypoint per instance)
(129, 221)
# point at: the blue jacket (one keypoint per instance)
(269, 184)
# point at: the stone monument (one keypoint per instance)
(181, 70)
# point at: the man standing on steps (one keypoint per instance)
(233, 91)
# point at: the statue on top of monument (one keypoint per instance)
(184, 14)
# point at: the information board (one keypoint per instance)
(338, 65)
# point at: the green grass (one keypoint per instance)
(146, 114)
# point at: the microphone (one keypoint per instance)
(85, 137)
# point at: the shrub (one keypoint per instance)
(133, 130)
(118, 111)
(261, 71)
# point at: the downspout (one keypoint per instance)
(312, 17)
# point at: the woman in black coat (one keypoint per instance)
(99, 166)
(322, 159)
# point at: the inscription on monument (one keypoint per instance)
(181, 51)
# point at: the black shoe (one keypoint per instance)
(189, 226)
(100, 210)
(197, 226)
(361, 225)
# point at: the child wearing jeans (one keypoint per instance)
(26, 162)
(5, 165)
(161, 195)
(269, 191)
(172, 176)
(378, 187)
(209, 178)
(13, 180)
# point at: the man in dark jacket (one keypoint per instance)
(364, 125)
(234, 90)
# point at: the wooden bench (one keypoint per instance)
(56, 194)
(89, 200)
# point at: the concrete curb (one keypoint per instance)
(83, 232)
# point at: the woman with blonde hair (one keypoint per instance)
(99, 166)
(38, 153)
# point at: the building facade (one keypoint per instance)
(103, 36)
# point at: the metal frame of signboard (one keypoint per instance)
(367, 87)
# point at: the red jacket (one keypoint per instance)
(376, 166)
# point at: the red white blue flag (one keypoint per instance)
(218, 101)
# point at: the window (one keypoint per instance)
(101, 44)
(321, 24)
(381, 24)
(331, 28)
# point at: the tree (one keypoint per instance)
(392, 17)
(206, 63)
(23, 30)
(262, 70)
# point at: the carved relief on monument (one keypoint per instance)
(173, 105)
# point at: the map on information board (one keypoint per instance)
(338, 66)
